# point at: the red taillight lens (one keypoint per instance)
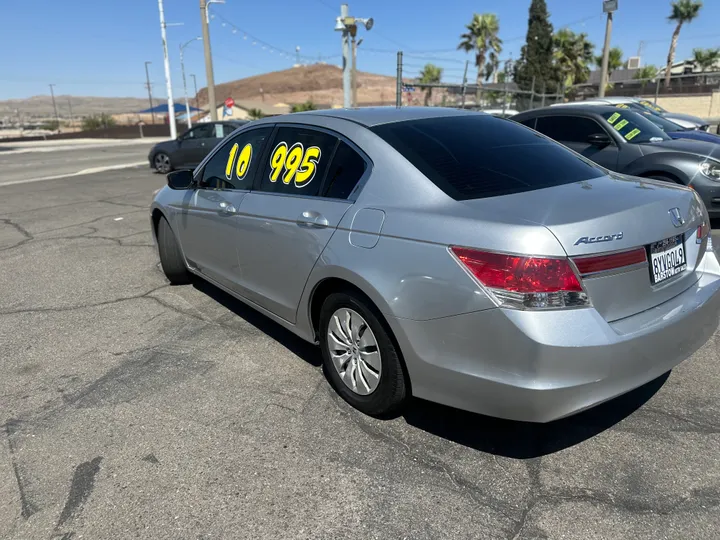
(519, 274)
(601, 263)
(702, 231)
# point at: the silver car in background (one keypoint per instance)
(448, 255)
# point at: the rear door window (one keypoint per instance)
(346, 169)
(473, 157)
(297, 162)
(568, 128)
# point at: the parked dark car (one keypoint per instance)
(190, 148)
(628, 142)
(673, 129)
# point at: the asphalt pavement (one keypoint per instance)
(39, 162)
(133, 409)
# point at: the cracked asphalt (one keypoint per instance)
(132, 409)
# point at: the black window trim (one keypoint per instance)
(351, 198)
(200, 169)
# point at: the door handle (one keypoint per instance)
(310, 218)
(226, 208)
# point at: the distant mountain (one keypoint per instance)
(41, 106)
(321, 83)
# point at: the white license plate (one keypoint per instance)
(667, 259)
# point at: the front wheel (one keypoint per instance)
(162, 164)
(359, 356)
(171, 258)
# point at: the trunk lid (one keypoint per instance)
(610, 214)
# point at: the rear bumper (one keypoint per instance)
(540, 366)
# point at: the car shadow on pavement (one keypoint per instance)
(307, 351)
(524, 440)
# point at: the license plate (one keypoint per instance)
(667, 258)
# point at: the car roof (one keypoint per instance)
(374, 116)
(574, 110)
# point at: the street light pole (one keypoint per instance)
(608, 7)
(149, 88)
(182, 67)
(52, 94)
(72, 120)
(348, 26)
(195, 87)
(168, 82)
(204, 22)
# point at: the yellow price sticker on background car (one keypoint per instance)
(621, 124)
(621, 106)
(242, 164)
(299, 164)
(613, 118)
(634, 133)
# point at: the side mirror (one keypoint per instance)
(182, 179)
(599, 139)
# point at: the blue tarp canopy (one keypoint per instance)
(163, 109)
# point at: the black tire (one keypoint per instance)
(392, 391)
(171, 258)
(161, 162)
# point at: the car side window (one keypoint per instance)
(235, 164)
(530, 122)
(297, 162)
(568, 128)
(227, 129)
(205, 131)
(346, 169)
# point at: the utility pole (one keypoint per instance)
(355, 45)
(297, 55)
(149, 88)
(52, 94)
(609, 6)
(464, 86)
(204, 22)
(398, 81)
(195, 87)
(182, 67)
(168, 82)
(71, 114)
(348, 26)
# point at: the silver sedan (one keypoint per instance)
(448, 255)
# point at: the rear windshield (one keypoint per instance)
(473, 157)
(634, 128)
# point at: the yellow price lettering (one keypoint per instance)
(299, 164)
(243, 162)
(231, 160)
(277, 161)
(308, 168)
(621, 124)
(614, 117)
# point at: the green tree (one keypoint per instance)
(572, 53)
(482, 38)
(706, 59)
(302, 107)
(646, 73)
(536, 56)
(50, 125)
(430, 74)
(683, 11)
(98, 121)
(615, 60)
(255, 114)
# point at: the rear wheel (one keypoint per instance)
(171, 258)
(162, 164)
(359, 356)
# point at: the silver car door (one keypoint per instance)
(286, 222)
(208, 222)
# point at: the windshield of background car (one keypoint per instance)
(663, 123)
(473, 157)
(634, 128)
(652, 106)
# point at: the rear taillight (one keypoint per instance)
(524, 282)
(702, 231)
(609, 261)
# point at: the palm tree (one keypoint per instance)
(706, 59)
(255, 114)
(430, 74)
(482, 39)
(572, 53)
(615, 56)
(683, 11)
(646, 73)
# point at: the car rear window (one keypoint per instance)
(474, 157)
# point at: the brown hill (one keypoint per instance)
(41, 106)
(321, 83)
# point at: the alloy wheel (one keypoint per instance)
(162, 163)
(354, 351)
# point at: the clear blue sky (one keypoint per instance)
(99, 47)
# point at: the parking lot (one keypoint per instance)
(133, 409)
